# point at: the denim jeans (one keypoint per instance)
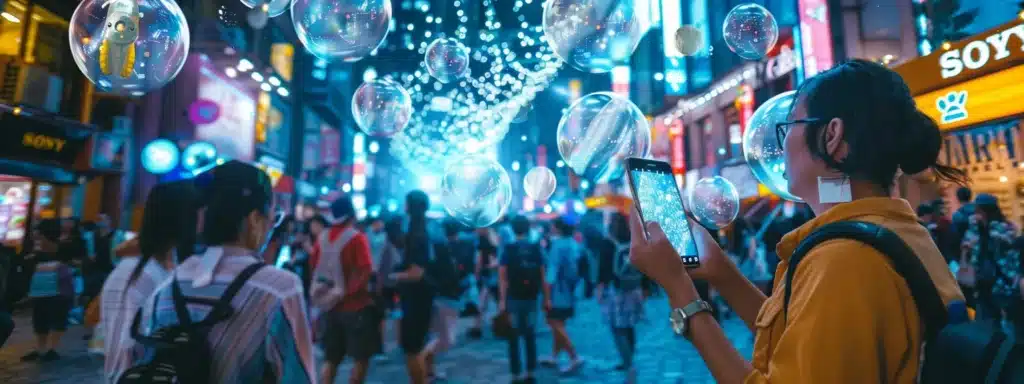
(524, 315)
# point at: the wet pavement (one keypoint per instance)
(661, 357)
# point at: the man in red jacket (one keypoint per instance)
(352, 325)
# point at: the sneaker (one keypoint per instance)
(548, 361)
(51, 356)
(621, 367)
(572, 367)
(31, 356)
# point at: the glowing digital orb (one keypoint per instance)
(160, 156)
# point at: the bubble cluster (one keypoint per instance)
(598, 133)
(346, 30)
(447, 60)
(714, 202)
(540, 183)
(129, 47)
(750, 31)
(381, 107)
(273, 8)
(593, 35)
(476, 190)
(762, 147)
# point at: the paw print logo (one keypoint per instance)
(952, 106)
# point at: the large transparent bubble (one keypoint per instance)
(714, 202)
(447, 60)
(750, 31)
(476, 190)
(540, 183)
(761, 146)
(598, 133)
(346, 30)
(129, 47)
(381, 107)
(273, 8)
(593, 35)
(689, 40)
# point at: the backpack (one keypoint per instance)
(182, 352)
(627, 278)
(523, 269)
(444, 271)
(956, 350)
(328, 285)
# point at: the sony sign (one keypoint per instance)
(978, 53)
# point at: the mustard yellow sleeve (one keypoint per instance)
(843, 293)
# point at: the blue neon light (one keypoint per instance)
(160, 156)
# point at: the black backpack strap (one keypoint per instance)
(180, 306)
(906, 263)
(222, 309)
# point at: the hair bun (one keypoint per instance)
(922, 142)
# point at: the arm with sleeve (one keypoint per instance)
(289, 340)
(845, 322)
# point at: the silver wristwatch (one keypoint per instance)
(680, 317)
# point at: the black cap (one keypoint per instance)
(343, 208)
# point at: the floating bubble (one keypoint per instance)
(540, 183)
(447, 60)
(257, 18)
(714, 202)
(516, 112)
(762, 147)
(273, 8)
(476, 190)
(129, 47)
(750, 31)
(381, 107)
(598, 133)
(593, 35)
(346, 30)
(689, 40)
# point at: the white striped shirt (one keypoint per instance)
(118, 308)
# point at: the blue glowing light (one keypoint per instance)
(198, 155)
(160, 156)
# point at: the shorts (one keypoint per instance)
(50, 314)
(445, 324)
(561, 314)
(354, 334)
(415, 324)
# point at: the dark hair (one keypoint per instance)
(318, 218)
(50, 229)
(393, 231)
(520, 225)
(991, 211)
(925, 209)
(343, 207)
(618, 228)
(883, 127)
(563, 226)
(963, 194)
(451, 227)
(416, 205)
(168, 222)
(235, 190)
(283, 230)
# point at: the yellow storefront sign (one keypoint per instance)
(983, 99)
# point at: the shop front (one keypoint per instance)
(44, 160)
(972, 90)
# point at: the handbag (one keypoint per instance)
(501, 326)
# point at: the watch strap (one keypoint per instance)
(697, 306)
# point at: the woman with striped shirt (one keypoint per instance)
(168, 229)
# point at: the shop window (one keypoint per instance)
(11, 27)
(47, 39)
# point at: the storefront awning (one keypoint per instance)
(51, 148)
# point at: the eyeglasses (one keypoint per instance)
(781, 129)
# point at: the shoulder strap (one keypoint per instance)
(222, 309)
(905, 262)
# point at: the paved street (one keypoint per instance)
(661, 358)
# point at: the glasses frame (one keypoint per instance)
(782, 128)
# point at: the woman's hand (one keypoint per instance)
(656, 258)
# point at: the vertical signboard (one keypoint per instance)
(620, 80)
(330, 145)
(700, 64)
(675, 63)
(815, 37)
(678, 156)
(234, 131)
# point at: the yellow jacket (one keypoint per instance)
(851, 316)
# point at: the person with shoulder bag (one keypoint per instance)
(522, 283)
(867, 296)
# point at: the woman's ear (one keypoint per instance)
(833, 138)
